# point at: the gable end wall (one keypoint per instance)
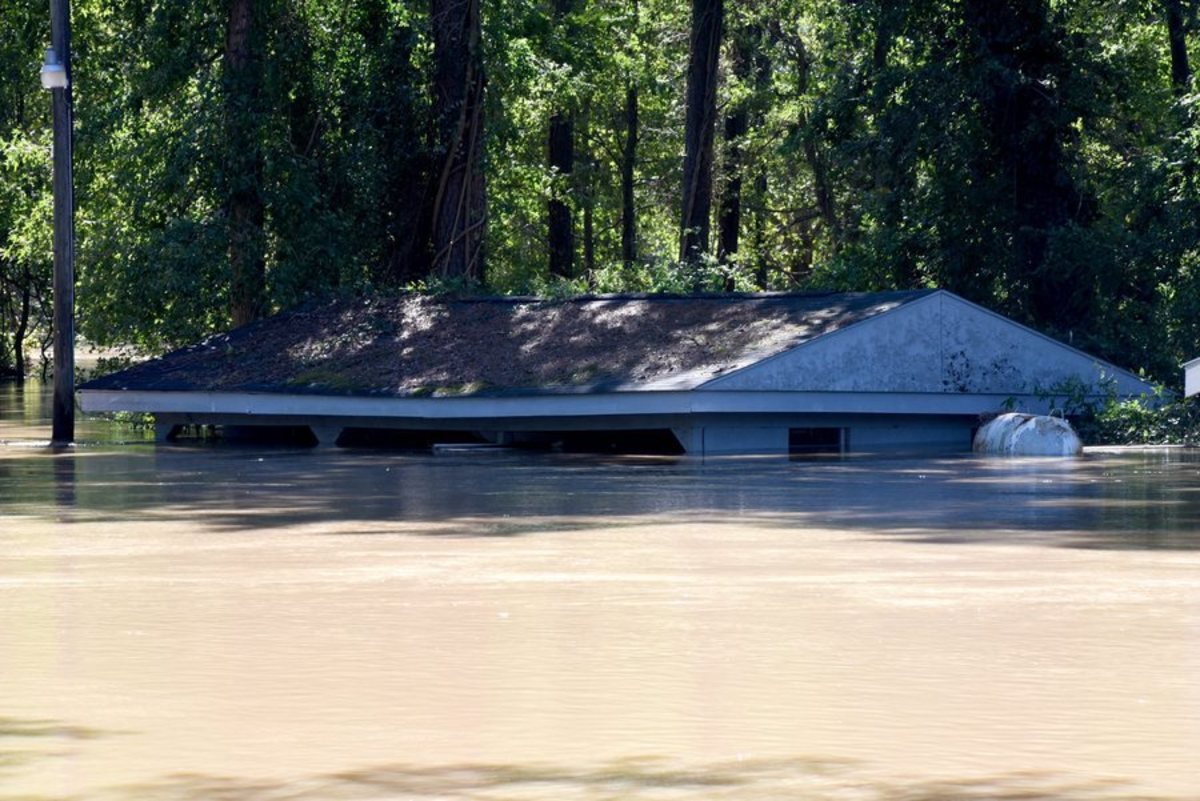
(939, 344)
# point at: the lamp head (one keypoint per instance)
(54, 74)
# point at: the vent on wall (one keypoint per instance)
(817, 441)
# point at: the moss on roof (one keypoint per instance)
(414, 345)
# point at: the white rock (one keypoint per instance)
(1028, 435)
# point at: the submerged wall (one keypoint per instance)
(697, 435)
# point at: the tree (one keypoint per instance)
(561, 158)
(25, 188)
(708, 18)
(1025, 123)
(236, 157)
(243, 68)
(750, 71)
(1181, 71)
(729, 217)
(459, 202)
(629, 158)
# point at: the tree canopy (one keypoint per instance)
(236, 157)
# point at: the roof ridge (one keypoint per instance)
(674, 296)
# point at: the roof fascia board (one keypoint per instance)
(606, 405)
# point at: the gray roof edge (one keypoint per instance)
(932, 293)
(668, 296)
(263, 406)
(1150, 388)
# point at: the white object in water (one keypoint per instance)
(1028, 435)
(1191, 378)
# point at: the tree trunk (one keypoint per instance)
(628, 165)
(822, 186)
(737, 123)
(729, 216)
(1024, 155)
(244, 162)
(758, 230)
(22, 327)
(588, 193)
(1181, 71)
(459, 203)
(560, 225)
(708, 17)
(406, 149)
(561, 149)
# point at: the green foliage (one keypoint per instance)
(1142, 421)
(1030, 155)
(340, 115)
(106, 365)
(26, 205)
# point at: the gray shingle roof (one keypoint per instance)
(413, 345)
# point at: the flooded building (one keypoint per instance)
(707, 375)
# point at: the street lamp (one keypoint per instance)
(54, 74)
(56, 77)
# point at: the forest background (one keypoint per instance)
(235, 157)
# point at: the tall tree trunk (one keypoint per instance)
(758, 229)
(244, 161)
(628, 166)
(629, 253)
(729, 215)
(406, 149)
(22, 328)
(1181, 71)
(588, 193)
(708, 18)
(562, 164)
(737, 123)
(822, 186)
(561, 149)
(1024, 155)
(459, 201)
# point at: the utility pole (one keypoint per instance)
(56, 76)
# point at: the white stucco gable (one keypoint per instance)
(938, 344)
(1191, 378)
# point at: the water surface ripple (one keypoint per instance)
(234, 623)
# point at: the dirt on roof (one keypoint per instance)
(414, 345)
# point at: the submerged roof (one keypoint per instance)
(414, 345)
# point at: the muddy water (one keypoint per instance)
(239, 623)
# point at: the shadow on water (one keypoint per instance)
(25, 741)
(800, 779)
(1133, 500)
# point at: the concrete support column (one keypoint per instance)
(326, 436)
(690, 439)
(166, 432)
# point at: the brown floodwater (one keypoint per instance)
(199, 622)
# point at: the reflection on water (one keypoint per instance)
(25, 411)
(1135, 500)
(241, 623)
(807, 780)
